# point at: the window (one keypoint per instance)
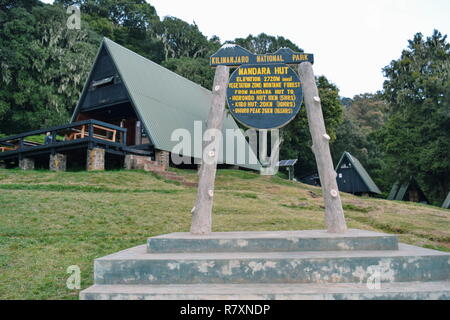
(102, 82)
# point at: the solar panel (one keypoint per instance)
(287, 163)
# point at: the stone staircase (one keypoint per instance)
(175, 177)
(149, 165)
(272, 265)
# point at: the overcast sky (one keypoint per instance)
(352, 40)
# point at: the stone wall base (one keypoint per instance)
(26, 164)
(163, 158)
(58, 162)
(95, 159)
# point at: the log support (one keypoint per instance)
(202, 212)
(334, 214)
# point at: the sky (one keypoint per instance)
(352, 40)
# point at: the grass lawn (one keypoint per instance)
(50, 221)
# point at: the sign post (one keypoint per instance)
(202, 212)
(265, 93)
(334, 214)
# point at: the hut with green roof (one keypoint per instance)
(446, 204)
(353, 178)
(409, 191)
(151, 102)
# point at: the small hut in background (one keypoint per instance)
(409, 191)
(353, 178)
(446, 204)
(312, 180)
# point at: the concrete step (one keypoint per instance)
(280, 241)
(285, 291)
(136, 266)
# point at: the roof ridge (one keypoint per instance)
(152, 62)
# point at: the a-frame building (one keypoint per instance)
(409, 191)
(353, 178)
(446, 204)
(151, 102)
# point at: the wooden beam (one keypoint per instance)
(202, 212)
(334, 214)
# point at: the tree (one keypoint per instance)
(364, 116)
(194, 69)
(130, 23)
(181, 39)
(368, 111)
(43, 66)
(416, 136)
(133, 14)
(264, 43)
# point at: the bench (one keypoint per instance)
(80, 134)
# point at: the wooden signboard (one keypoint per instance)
(264, 93)
(231, 55)
(264, 96)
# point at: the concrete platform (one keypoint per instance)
(136, 266)
(280, 241)
(272, 265)
(285, 291)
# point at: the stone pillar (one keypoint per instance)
(95, 159)
(162, 157)
(26, 164)
(58, 162)
(128, 163)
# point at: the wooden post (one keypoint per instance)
(201, 214)
(334, 214)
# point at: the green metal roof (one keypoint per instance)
(361, 171)
(166, 101)
(398, 192)
(402, 191)
(446, 203)
(393, 192)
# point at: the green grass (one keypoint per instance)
(246, 195)
(77, 188)
(50, 221)
(351, 207)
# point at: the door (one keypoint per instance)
(346, 178)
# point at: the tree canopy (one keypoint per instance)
(415, 138)
(43, 66)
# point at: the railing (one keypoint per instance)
(92, 130)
